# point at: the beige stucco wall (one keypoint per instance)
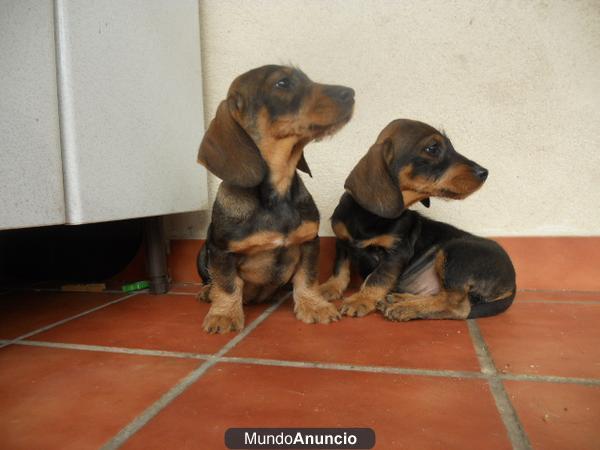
(515, 84)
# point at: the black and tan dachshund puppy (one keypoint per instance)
(414, 267)
(263, 232)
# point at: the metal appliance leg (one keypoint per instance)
(156, 255)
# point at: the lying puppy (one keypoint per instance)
(414, 267)
(263, 232)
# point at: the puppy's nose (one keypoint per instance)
(345, 94)
(481, 172)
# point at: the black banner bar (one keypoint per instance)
(299, 438)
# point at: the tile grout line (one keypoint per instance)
(118, 350)
(443, 373)
(560, 302)
(68, 319)
(593, 294)
(353, 368)
(199, 285)
(140, 421)
(562, 291)
(514, 428)
(549, 379)
(183, 294)
(104, 291)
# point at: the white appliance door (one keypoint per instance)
(31, 180)
(130, 98)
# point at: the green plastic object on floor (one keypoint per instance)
(137, 286)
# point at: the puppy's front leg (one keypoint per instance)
(309, 305)
(335, 286)
(374, 288)
(225, 294)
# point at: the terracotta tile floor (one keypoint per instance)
(85, 370)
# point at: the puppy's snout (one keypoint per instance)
(346, 95)
(480, 172)
(342, 94)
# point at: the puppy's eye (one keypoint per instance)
(432, 150)
(284, 83)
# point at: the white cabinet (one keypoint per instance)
(127, 74)
(31, 180)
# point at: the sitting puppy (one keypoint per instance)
(263, 232)
(414, 267)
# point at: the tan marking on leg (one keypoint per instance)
(443, 305)
(225, 313)
(334, 288)
(440, 266)
(364, 301)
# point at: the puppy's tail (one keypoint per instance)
(482, 308)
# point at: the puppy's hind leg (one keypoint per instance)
(425, 296)
(443, 305)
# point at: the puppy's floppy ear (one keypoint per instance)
(371, 184)
(229, 152)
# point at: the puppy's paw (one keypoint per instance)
(202, 295)
(395, 310)
(398, 313)
(357, 305)
(221, 323)
(316, 311)
(385, 302)
(330, 291)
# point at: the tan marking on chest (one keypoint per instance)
(258, 242)
(279, 146)
(307, 231)
(384, 240)
(341, 231)
(264, 241)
